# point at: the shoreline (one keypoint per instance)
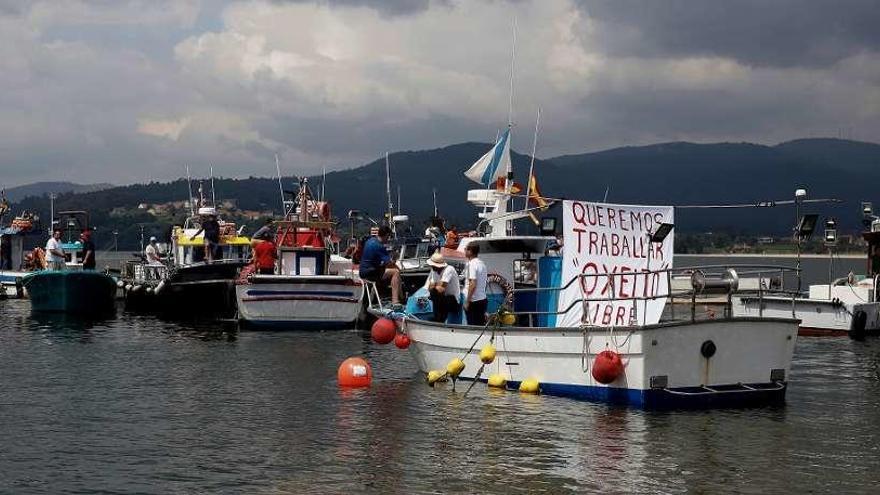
(775, 255)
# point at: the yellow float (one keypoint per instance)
(487, 354)
(496, 381)
(455, 367)
(530, 386)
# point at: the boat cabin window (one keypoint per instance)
(196, 254)
(525, 271)
(304, 261)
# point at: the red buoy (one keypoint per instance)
(354, 372)
(401, 340)
(383, 331)
(607, 367)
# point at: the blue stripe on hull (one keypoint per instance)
(263, 292)
(661, 399)
(296, 325)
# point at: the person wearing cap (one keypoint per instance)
(88, 250)
(211, 227)
(151, 252)
(377, 266)
(442, 285)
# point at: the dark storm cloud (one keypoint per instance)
(780, 33)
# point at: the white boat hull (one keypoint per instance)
(819, 317)
(664, 365)
(299, 302)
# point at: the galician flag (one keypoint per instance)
(493, 164)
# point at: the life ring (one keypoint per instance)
(501, 282)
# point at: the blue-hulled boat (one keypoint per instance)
(70, 291)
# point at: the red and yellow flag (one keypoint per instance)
(535, 197)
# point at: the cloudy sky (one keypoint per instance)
(128, 91)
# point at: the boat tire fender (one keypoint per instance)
(708, 349)
(857, 325)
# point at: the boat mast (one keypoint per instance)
(323, 181)
(508, 180)
(280, 185)
(213, 196)
(388, 193)
(532, 163)
(192, 211)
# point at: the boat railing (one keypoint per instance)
(140, 271)
(707, 285)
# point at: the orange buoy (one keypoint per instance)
(607, 367)
(401, 340)
(383, 331)
(354, 372)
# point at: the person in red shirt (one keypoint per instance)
(265, 255)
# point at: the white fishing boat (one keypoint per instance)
(843, 306)
(597, 318)
(311, 287)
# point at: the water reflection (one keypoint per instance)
(160, 407)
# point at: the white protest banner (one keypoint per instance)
(612, 242)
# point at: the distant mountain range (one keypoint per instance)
(15, 194)
(677, 173)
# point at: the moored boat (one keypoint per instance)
(16, 257)
(845, 306)
(73, 289)
(595, 320)
(311, 287)
(196, 278)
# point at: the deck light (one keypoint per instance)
(830, 232)
(660, 234)
(548, 226)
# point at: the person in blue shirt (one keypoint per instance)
(377, 266)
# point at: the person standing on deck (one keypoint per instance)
(88, 250)
(211, 227)
(265, 254)
(266, 232)
(475, 299)
(377, 266)
(151, 252)
(442, 285)
(54, 251)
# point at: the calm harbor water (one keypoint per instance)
(133, 404)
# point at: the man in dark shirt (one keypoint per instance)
(266, 232)
(211, 227)
(88, 250)
(377, 266)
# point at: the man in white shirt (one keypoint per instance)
(475, 300)
(442, 285)
(54, 251)
(152, 252)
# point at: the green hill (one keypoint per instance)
(670, 173)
